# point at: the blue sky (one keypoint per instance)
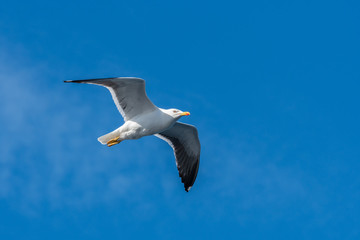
(272, 86)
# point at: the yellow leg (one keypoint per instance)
(113, 142)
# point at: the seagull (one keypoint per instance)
(143, 118)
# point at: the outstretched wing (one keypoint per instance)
(128, 94)
(184, 139)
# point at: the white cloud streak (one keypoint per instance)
(47, 154)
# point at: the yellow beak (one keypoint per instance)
(185, 114)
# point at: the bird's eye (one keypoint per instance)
(174, 111)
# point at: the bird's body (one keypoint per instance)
(145, 124)
(143, 118)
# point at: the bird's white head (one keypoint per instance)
(176, 113)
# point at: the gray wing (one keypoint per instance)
(184, 140)
(128, 94)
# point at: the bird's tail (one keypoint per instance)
(107, 137)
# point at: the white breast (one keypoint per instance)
(146, 124)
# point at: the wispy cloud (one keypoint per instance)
(46, 150)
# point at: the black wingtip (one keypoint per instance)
(89, 80)
(75, 81)
(100, 79)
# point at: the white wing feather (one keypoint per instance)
(128, 94)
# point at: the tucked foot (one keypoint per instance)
(113, 142)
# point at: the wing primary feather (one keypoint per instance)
(96, 79)
(183, 138)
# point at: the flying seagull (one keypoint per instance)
(143, 118)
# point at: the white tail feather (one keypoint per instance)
(107, 137)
